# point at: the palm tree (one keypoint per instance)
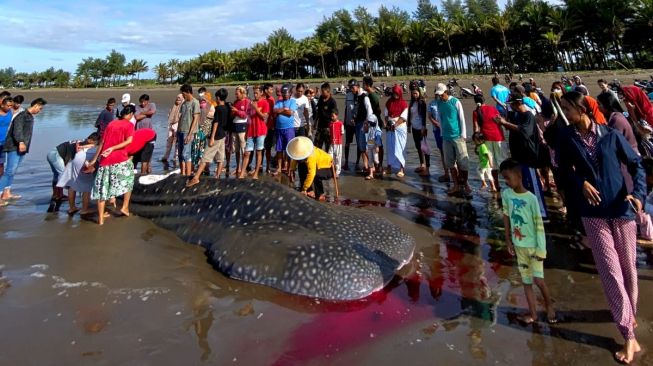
(335, 42)
(320, 48)
(294, 52)
(554, 40)
(174, 69)
(447, 29)
(500, 23)
(365, 38)
(162, 71)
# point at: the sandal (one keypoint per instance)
(400, 175)
(369, 177)
(525, 319)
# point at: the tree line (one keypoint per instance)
(470, 36)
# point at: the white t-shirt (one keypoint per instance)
(302, 105)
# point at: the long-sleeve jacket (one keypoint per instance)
(319, 159)
(20, 131)
(612, 150)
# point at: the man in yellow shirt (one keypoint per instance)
(314, 166)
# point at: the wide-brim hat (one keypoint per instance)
(299, 148)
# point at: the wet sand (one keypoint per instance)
(130, 293)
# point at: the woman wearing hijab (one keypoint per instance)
(396, 115)
(207, 111)
(640, 113)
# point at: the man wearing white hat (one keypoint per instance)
(126, 100)
(314, 166)
(452, 122)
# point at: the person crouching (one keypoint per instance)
(314, 166)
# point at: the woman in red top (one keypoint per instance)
(239, 112)
(257, 129)
(115, 177)
(483, 118)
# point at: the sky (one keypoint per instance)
(60, 33)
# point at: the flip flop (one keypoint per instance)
(525, 319)
(400, 175)
(369, 177)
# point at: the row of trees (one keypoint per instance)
(50, 77)
(109, 71)
(461, 37)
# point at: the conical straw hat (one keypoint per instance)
(299, 148)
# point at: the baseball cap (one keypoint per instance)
(285, 89)
(126, 98)
(440, 89)
(353, 82)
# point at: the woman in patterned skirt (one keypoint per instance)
(593, 155)
(115, 176)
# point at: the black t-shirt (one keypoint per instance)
(221, 117)
(524, 143)
(67, 150)
(325, 109)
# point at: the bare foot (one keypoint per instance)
(123, 212)
(255, 177)
(72, 211)
(192, 182)
(627, 354)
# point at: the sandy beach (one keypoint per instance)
(131, 293)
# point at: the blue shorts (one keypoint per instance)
(257, 143)
(437, 133)
(361, 141)
(283, 137)
(183, 150)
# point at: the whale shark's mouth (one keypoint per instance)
(150, 179)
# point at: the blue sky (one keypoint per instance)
(40, 34)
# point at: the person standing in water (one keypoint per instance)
(16, 147)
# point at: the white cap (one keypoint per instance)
(126, 98)
(440, 89)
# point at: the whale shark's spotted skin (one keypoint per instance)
(267, 233)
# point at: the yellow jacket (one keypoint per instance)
(319, 159)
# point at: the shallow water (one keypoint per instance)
(130, 293)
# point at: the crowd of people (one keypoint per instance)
(567, 141)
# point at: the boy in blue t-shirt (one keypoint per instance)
(524, 232)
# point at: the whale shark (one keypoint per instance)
(266, 233)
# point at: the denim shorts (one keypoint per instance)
(257, 143)
(183, 149)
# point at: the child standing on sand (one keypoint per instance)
(374, 142)
(524, 232)
(337, 131)
(485, 163)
